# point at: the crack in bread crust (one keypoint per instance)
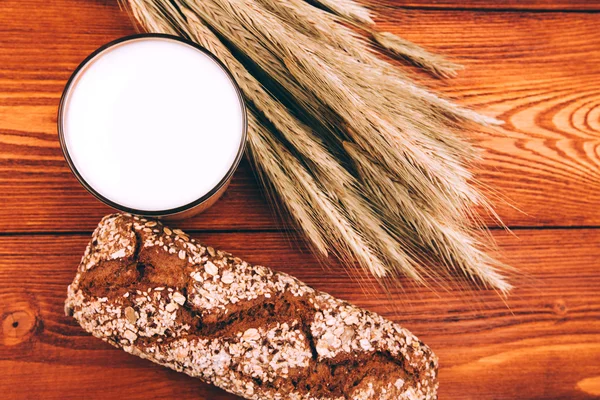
(254, 332)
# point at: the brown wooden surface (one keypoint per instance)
(535, 64)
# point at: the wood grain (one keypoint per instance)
(543, 82)
(533, 63)
(543, 346)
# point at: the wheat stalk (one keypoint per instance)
(348, 9)
(434, 63)
(376, 171)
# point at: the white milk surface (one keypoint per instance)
(153, 124)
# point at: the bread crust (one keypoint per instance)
(260, 334)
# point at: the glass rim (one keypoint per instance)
(63, 145)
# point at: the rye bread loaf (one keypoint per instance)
(260, 334)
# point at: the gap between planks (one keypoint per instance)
(290, 231)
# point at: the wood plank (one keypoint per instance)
(542, 82)
(546, 346)
(57, 202)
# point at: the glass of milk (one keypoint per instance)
(153, 125)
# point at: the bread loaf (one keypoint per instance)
(260, 334)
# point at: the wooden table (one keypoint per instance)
(533, 63)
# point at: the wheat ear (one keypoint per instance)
(268, 152)
(312, 68)
(395, 193)
(455, 244)
(316, 73)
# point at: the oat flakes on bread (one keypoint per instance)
(260, 334)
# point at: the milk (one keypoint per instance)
(152, 124)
